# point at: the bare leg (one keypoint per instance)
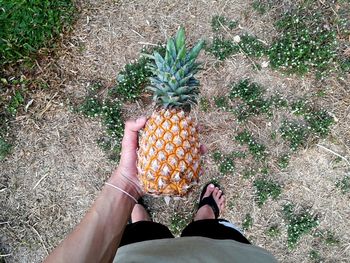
(139, 213)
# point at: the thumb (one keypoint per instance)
(129, 142)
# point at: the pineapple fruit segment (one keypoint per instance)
(169, 154)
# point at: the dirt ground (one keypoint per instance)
(57, 169)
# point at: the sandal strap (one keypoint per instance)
(209, 200)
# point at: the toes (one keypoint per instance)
(209, 190)
(219, 197)
(222, 202)
(216, 194)
(219, 194)
(216, 190)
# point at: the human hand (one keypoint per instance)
(126, 173)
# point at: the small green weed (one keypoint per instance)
(17, 87)
(295, 133)
(283, 161)
(243, 137)
(178, 223)
(315, 256)
(321, 93)
(231, 204)
(298, 224)
(344, 64)
(109, 112)
(265, 170)
(249, 172)
(27, 26)
(5, 148)
(222, 103)
(338, 159)
(238, 154)
(217, 22)
(257, 150)
(242, 112)
(246, 91)
(91, 107)
(273, 231)
(112, 119)
(217, 156)
(247, 222)
(273, 135)
(278, 101)
(222, 48)
(252, 96)
(266, 188)
(251, 46)
(319, 122)
(288, 211)
(133, 79)
(225, 162)
(330, 239)
(16, 101)
(261, 6)
(227, 166)
(300, 107)
(344, 184)
(11, 100)
(204, 104)
(5, 145)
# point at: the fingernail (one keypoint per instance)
(211, 185)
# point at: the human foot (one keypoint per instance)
(139, 213)
(206, 211)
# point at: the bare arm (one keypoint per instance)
(98, 235)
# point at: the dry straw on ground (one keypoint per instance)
(57, 169)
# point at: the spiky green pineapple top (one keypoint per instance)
(173, 83)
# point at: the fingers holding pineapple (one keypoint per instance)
(125, 176)
(130, 145)
(203, 149)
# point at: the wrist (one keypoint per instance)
(127, 184)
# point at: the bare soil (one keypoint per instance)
(57, 169)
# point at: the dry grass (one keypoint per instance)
(57, 169)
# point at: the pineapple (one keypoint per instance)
(169, 154)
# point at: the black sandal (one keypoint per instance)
(209, 200)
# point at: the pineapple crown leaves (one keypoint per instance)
(173, 83)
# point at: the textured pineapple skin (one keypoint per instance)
(169, 154)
